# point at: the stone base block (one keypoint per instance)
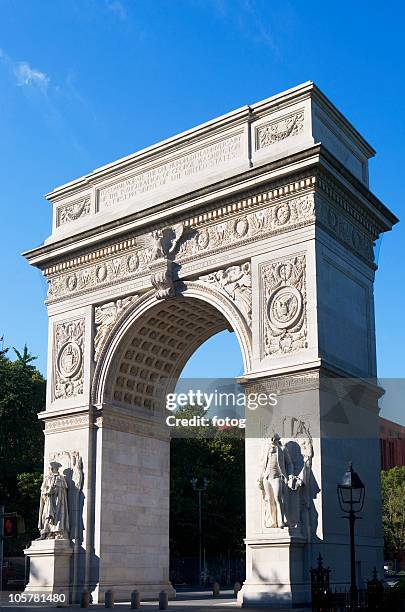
(275, 573)
(49, 567)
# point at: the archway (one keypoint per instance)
(139, 364)
(262, 221)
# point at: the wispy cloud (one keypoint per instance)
(24, 74)
(27, 76)
(52, 101)
(116, 7)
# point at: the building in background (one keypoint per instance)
(392, 444)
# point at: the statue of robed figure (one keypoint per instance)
(53, 509)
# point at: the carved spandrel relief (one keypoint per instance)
(280, 129)
(236, 283)
(105, 317)
(283, 306)
(66, 213)
(68, 351)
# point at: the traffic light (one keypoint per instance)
(10, 526)
(13, 525)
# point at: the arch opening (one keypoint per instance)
(140, 363)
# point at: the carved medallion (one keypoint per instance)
(241, 227)
(282, 213)
(101, 273)
(69, 359)
(68, 349)
(284, 307)
(203, 239)
(133, 262)
(71, 282)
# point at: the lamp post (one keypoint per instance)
(351, 493)
(200, 490)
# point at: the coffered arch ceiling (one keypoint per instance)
(147, 352)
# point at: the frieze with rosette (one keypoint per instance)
(207, 238)
(283, 316)
(68, 351)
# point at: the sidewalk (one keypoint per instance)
(198, 601)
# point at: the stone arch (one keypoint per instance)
(152, 341)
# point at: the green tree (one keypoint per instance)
(219, 456)
(22, 396)
(393, 507)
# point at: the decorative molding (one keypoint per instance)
(66, 213)
(283, 306)
(254, 201)
(68, 361)
(340, 227)
(236, 283)
(289, 383)
(106, 272)
(255, 225)
(55, 425)
(188, 245)
(254, 218)
(105, 317)
(280, 129)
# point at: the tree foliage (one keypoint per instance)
(217, 455)
(22, 396)
(393, 506)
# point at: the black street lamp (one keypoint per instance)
(200, 490)
(351, 493)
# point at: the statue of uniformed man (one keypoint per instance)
(53, 510)
(275, 471)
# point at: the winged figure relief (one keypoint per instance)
(104, 318)
(162, 243)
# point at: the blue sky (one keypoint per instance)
(83, 82)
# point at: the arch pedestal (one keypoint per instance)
(260, 222)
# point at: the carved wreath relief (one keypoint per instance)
(72, 211)
(68, 347)
(281, 129)
(284, 306)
